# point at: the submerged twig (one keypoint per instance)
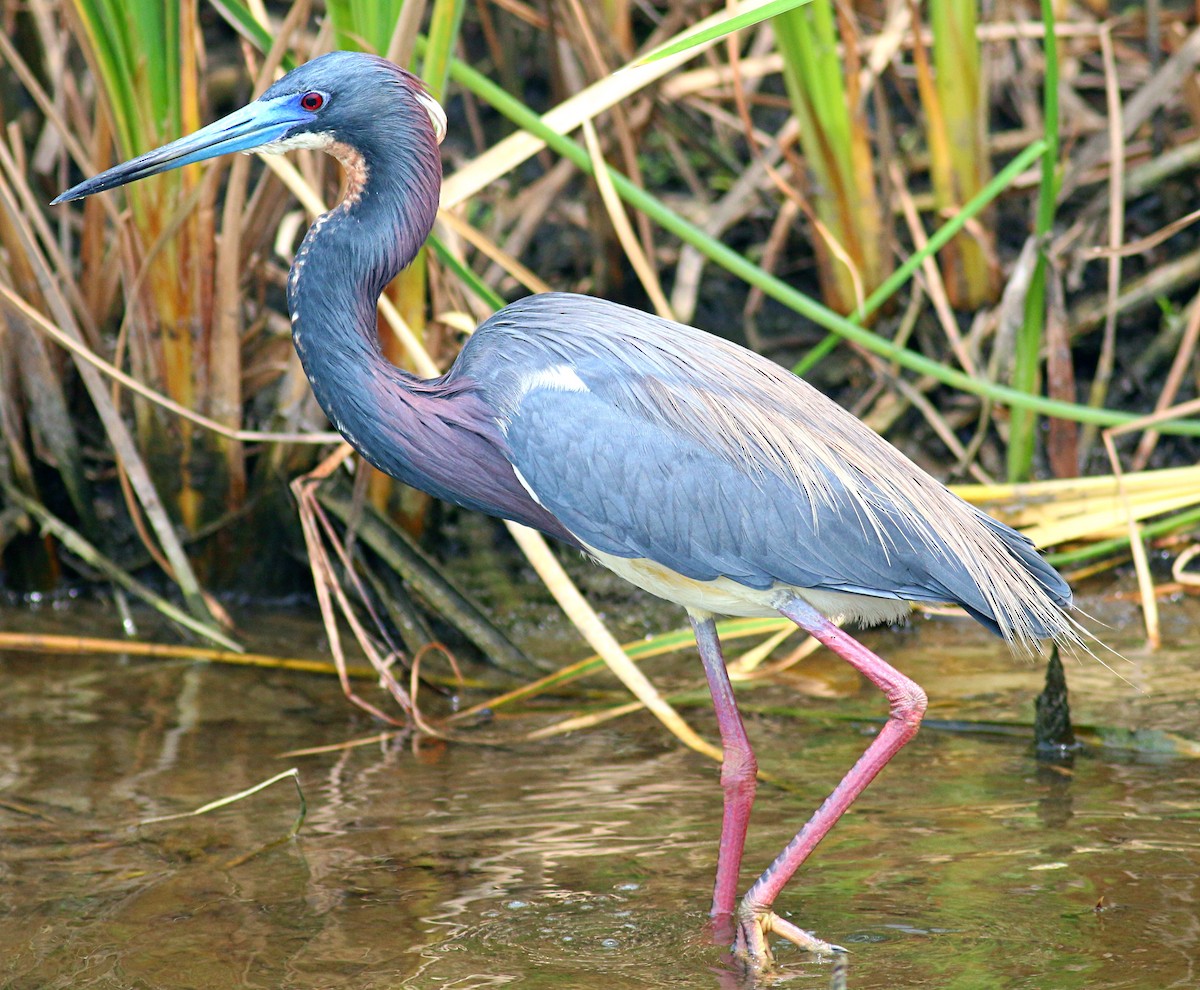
(293, 773)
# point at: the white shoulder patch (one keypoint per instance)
(560, 378)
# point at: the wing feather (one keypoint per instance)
(712, 460)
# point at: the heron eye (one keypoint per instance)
(312, 101)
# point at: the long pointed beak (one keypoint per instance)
(253, 126)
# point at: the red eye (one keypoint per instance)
(312, 101)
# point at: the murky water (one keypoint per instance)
(585, 861)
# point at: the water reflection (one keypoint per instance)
(582, 862)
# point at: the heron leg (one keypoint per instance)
(739, 770)
(755, 917)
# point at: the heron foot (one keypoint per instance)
(755, 925)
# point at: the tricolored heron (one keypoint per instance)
(698, 470)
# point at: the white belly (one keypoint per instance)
(725, 597)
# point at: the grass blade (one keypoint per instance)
(1022, 439)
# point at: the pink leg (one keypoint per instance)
(755, 917)
(738, 768)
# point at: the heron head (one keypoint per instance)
(342, 98)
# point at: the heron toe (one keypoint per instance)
(755, 925)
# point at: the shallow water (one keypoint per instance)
(585, 861)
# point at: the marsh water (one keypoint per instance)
(585, 861)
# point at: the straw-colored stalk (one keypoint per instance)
(955, 101)
(849, 239)
(149, 60)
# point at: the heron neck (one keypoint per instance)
(438, 435)
(347, 258)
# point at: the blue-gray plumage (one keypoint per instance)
(698, 470)
(606, 413)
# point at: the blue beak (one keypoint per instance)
(253, 126)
